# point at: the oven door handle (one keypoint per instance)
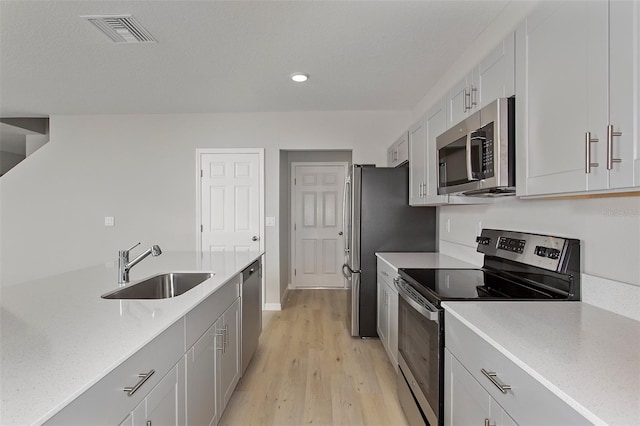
(423, 307)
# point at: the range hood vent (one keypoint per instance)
(121, 28)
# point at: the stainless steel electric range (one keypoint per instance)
(517, 266)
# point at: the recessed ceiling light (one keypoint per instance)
(299, 77)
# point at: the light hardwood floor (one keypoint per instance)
(309, 370)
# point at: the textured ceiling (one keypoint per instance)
(231, 56)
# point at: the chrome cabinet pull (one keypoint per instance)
(130, 390)
(487, 422)
(467, 96)
(148, 422)
(587, 152)
(610, 135)
(474, 96)
(492, 376)
(220, 334)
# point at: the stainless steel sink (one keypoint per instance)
(161, 286)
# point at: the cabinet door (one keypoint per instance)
(391, 156)
(561, 55)
(202, 406)
(229, 365)
(465, 401)
(417, 162)
(458, 101)
(436, 124)
(402, 150)
(164, 405)
(496, 73)
(382, 322)
(624, 79)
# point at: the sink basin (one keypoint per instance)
(161, 286)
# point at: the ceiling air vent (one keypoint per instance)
(121, 28)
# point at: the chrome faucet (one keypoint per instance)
(124, 265)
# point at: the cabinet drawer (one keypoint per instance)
(209, 310)
(106, 402)
(387, 273)
(527, 401)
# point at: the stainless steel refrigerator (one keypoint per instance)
(378, 218)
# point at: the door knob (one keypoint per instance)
(254, 238)
(340, 233)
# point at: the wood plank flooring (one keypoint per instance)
(309, 370)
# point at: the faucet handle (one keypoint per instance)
(132, 247)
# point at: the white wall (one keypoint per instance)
(141, 169)
(609, 229)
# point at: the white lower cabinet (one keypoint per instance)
(482, 383)
(466, 402)
(201, 361)
(213, 369)
(387, 322)
(164, 405)
(229, 366)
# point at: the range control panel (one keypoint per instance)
(514, 245)
(543, 251)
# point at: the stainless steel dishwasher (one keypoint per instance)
(251, 310)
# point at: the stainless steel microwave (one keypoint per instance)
(477, 156)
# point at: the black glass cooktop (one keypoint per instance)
(464, 284)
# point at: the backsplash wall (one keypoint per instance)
(608, 228)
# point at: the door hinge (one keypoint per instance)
(201, 173)
(201, 228)
(295, 272)
(295, 227)
(295, 181)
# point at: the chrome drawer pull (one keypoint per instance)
(143, 378)
(492, 376)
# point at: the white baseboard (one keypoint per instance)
(272, 307)
(277, 306)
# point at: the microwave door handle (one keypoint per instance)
(469, 169)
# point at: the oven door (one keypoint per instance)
(420, 354)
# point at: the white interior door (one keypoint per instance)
(230, 201)
(318, 246)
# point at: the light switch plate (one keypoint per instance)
(270, 221)
(109, 221)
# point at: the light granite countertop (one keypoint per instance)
(58, 337)
(587, 356)
(422, 260)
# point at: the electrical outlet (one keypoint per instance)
(270, 221)
(109, 221)
(448, 225)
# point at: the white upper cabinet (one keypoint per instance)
(624, 94)
(398, 153)
(423, 170)
(492, 78)
(566, 99)
(417, 162)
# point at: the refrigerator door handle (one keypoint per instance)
(345, 217)
(351, 271)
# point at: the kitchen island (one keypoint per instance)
(59, 337)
